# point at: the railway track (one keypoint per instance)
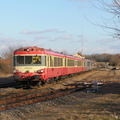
(9, 84)
(37, 96)
(21, 97)
(13, 84)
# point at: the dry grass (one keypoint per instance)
(5, 66)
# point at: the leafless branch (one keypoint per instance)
(114, 9)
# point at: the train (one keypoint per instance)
(34, 66)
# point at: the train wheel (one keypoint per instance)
(19, 85)
(52, 80)
(56, 79)
(43, 82)
(26, 84)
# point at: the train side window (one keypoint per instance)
(60, 61)
(79, 63)
(84, 63)
(55, 61)
(51, 61)
(70, 62)
(66, 62)
(76, 63)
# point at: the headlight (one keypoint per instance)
(16, 71)
(40, 71)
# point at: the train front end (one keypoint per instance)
(29, 66)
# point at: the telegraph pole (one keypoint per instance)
(82, 41)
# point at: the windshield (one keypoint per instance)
(29, 60)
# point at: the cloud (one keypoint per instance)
(1, 33)
(64, 37)
(40, 37)
(6, 39)
(44, 31)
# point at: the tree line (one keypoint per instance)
(112, 59)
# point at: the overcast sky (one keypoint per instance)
(61, 25)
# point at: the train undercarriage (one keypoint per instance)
(30, 82)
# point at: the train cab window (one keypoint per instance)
(28, 59)
(36, 59)
(20, 59)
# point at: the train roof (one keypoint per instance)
(37, 50)
(29, 49)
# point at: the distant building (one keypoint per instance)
(79, 55)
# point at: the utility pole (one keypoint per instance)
(82, 41)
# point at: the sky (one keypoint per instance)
(61, 25)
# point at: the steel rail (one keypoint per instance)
(30, 99)
(12, 94)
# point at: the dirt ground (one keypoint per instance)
(81, 105)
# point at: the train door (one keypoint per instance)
(50, 70)
(47, 66)
(66, 66)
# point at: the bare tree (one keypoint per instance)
(114, 9)
(6, 63)
(115, 60)
(8, 53)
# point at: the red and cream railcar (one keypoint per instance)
(33, 64)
